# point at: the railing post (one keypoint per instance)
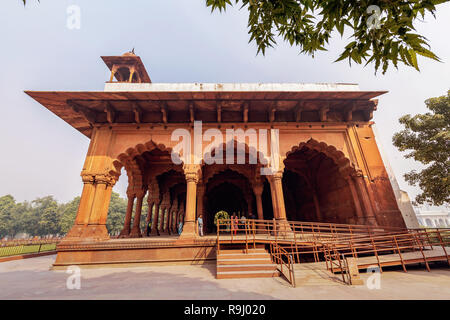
(399, 254)
(293, 274)
(441, 241)
(376, 253)
(424, 257)
(218, 233)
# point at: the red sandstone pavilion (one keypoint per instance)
(330, 168)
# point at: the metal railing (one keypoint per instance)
(417, 240)
(332, 243)
(282, 258)
(28, 246)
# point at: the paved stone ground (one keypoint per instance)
(33, 279)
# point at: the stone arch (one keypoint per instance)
(127, 159)
(251, 174)
(318, 184)
(330, 151)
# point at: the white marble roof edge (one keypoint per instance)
(230, 87)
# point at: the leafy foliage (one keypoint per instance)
(428, 137)
(221, 215)
(309, 24)
(44, 216)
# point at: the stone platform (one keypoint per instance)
(162, 249)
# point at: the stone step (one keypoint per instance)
(257, 255)
(247, 274)
(240, 251)
(247, 267)
(244, 261)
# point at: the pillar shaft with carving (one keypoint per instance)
(258, 190)
(191, 173)
(128, 215)
(90, 222)
(136, 230)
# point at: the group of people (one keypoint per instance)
(237, 223)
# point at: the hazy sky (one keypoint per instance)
(178, 41)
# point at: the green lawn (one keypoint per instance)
(26, 249)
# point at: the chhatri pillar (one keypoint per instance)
(191, 173)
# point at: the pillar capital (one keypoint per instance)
(106, 179)
(192, 172)
(357, 173)
(258, 189)
(87, 178)
(99, 178)
(131, 193)
(276, 175)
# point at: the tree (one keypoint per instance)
(428, 137)
(45, 211)
(382, 32)
(7, 204)
(68, 212)
(116, 213)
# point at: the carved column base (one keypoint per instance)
(283, 229)
(135, 233)
(188, 230)
(95, 232)
(125, 233)
(154, 232)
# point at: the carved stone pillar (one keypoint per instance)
(279, 209)
(136, 230)
(276, 186)
(90, 223)
(127, 224)
(361, 187)
(172, 220)
(155, 229)
(258, 190)
(200, 202)
(191, 173)
(249, 200)
(153, 206)
(165, 206)
(352, 187)
(317, 206)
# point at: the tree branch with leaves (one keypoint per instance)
(309, 24)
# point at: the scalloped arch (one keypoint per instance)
(330, 151)
(127, 160)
